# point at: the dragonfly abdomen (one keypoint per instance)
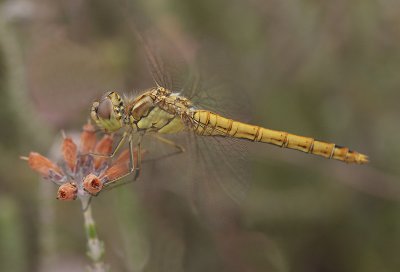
(211, 124)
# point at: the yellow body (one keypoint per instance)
(158, 110)
(212, 124)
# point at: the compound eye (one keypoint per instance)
(105, 108)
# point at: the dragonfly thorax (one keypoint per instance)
(157, 110)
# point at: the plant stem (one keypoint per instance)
(95, 247)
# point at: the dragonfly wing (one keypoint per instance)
(178, 71)
(219, 179)
(168, 69)
(212, 172)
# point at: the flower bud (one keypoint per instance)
(104, 147)
(70, 152)
(67, 191)
(42, 165)
(92, 184)
(88, 139)
(116, 171)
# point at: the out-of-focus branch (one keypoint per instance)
(13, 15)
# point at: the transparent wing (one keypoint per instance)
(172, 70)
(220, 177)
(212, 172)
(173, 75)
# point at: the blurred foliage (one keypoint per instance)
(11, 237)
(328, 69)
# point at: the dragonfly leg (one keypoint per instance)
(110, 156)
(135, 164)
(178, 148)
(134, 167)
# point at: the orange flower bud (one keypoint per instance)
(70, 151)
(116, 171)
(67, 191)
(104, 147)
(123, 157)
(88, 139)
(92, 184)
(121, 165)
(42, 165)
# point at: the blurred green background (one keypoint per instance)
(327, 69)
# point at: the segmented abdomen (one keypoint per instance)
(207, 123)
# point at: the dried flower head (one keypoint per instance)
(92, 184)
(67, 191)
(81, 174)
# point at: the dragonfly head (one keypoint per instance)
(108, 112)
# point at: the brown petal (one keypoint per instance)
(70, 152)
(88, 139)
(121, 166)
(124, 156)
(104, 147)
(42, 165)
(116, 171)
(67, 191)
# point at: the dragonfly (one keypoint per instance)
(159, 110)
(162, 110)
